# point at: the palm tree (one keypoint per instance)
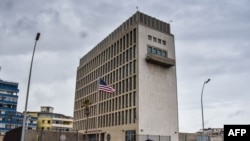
(86, 103)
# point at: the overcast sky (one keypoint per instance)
(212, 40)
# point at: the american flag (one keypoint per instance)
(104, 87)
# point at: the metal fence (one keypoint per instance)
(44, 135)
(153, 138)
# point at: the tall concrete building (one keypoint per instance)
(138, 60)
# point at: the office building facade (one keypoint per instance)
(9, 117)
(138, 60)
(8, 105)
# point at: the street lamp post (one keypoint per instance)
(28, 88)
(202, 107)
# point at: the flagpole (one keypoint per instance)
(97, 106)
(102, 86)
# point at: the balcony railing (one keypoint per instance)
(160, 60)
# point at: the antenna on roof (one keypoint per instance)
(137, 5)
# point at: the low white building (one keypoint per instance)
(48, 120)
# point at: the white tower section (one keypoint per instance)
(157, 92)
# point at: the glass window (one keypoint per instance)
(134, 82)
(154, 39)
(159, 41)
(164, 53)
(122, 117)
(159, 52)
(126, 116)
(134, 99)
(130, 115)
(154, 51)
(130, 83)
(134, 115)
(130, 53)
(134, 51)
(130, 98)
(163, 42)
(134, 35)
(130, 135)
(149, 49)
(130, 38)
(130, 68)
(126, 99)
(134, 69)
(149, 37)
(118, 116)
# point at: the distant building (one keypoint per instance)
(48, 120)
(9, 117)
(212, 131)
(211, 134)
(138, 60)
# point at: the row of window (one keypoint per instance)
(13, 119)
(8, 106)
(121, 102)
(154, 23)
(157, 51)
(47, 128)
(11, 99)
(46, 121)
(87, 74)
(12, 126)
(117, 66)
(117, 103)
(9, 88)
(118, 118)
(158, 40)
(55, 122)
(126, 42)
(108, 120)
(124, 86)
(122, 79)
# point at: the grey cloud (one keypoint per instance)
(235, 114)
(211, 41)
(3, 30)
(23, 24)
(213, 22)
(7, 4)
(83, 34)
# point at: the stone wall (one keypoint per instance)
(39, 135)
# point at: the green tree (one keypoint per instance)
(86, 105)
